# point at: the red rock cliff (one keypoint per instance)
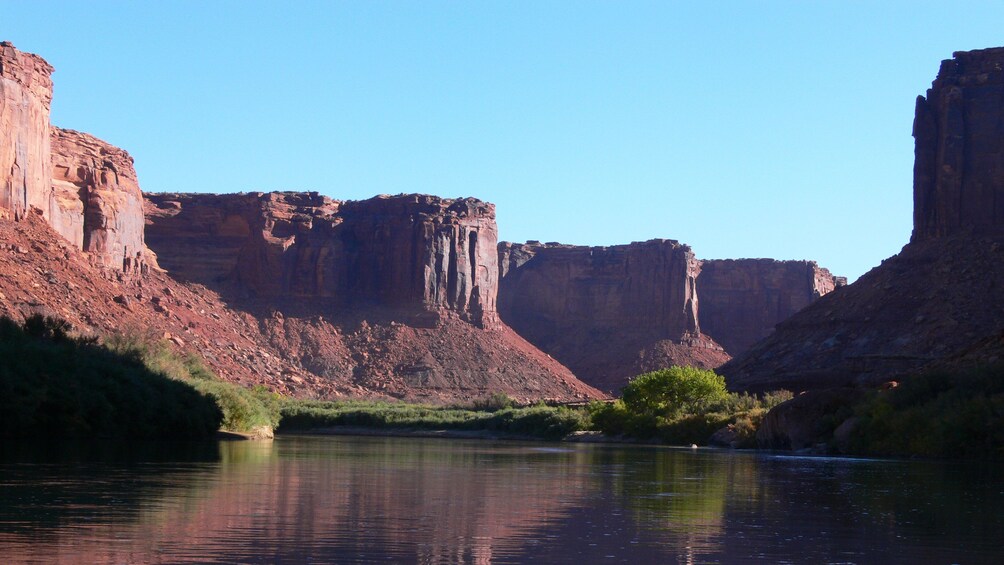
(25, 95)
(743, 299)
(937, 304)
(395, 294)
(959, 155)
(412, 252)
(608, 313)
(85, 188)
(98, 204)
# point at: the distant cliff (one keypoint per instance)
(743, 299)
(938, 303)
(608, 313)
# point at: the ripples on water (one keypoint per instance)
(364, 500)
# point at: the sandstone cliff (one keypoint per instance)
(608, 313)
(25, 95)
(85, 188)
(419, 254)
(97, 202)
(938, 302)
(743, 299)
(393, 294)
(959, 162)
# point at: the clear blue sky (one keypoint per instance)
(754, 129)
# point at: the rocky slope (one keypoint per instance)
(392, 293)
(937, 303)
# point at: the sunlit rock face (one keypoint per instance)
(97, 202)
(937, 304)
(25, 96)
(413, 252)
(394, 294)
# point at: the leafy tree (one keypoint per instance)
(674, 390)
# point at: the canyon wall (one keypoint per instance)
(97, 202)
(608, 313)
(959, 154)
(414, 253)
(25, 166)
(936, 304)
(743, 299)
(85, 188)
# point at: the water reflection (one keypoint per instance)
(329, 499)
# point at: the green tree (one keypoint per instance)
(673, 391)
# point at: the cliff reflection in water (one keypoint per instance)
(335, 499)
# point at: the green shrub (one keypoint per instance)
(674, 391)
(938, 414)
(493, 402)
(55, 385)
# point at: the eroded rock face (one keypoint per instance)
(393, 295)
(97, 202)
(936, 304)
(413, 253)
(25, 96)
(959, 155)
(85, 188)
(743, 299)
(608, 313)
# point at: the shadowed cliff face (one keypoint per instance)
(608, 313)
(959, 156)
(417, 254)
(743, 299)
(938, 302)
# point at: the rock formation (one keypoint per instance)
(743, 299)
(97, 202)
(419, 255)
(85, 188)
(959, 156)
(25, 95)
(938, 302)
(608, 313)
(393, 294)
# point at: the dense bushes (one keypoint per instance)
(244, 410)
(56, 385)
(682, 405)
(939, 414)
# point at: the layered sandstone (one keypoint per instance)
(413, 253)
(395, 294)
(938, 302)
(85, 188)
(97, 202)
(608, 313)
(25, 96)
(743, 299)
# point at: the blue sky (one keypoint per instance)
(745, 129)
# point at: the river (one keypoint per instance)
(337, 499)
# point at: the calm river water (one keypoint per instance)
(353, 499)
